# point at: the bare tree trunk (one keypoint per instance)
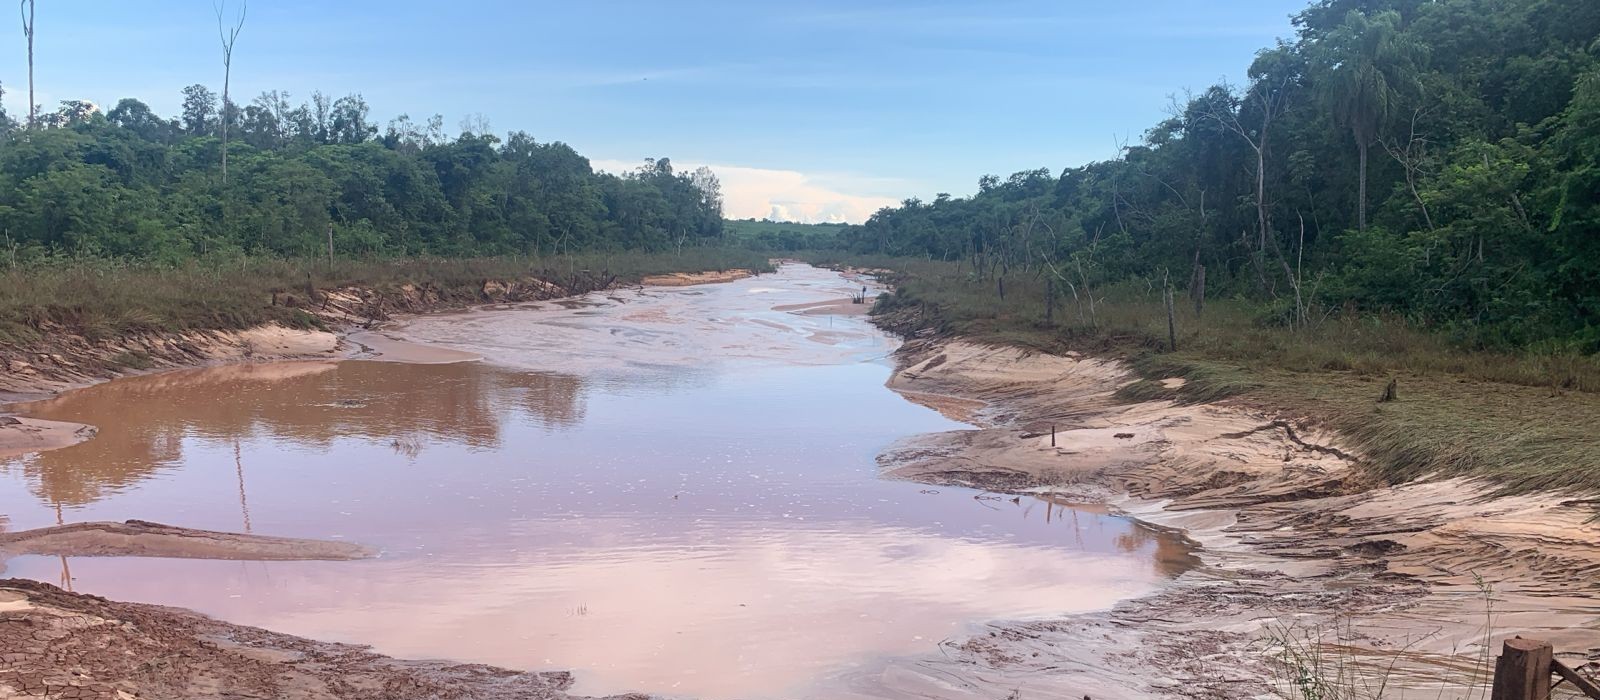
(229, 35)
(1172, 325)
(1361, 188)
(27, 31)
(1049, 301)
(1261, 195)
(1299, 270)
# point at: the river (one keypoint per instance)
(669, 490)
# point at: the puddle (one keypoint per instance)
(673, 493)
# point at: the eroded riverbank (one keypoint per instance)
(671, 491)
(1407, 584)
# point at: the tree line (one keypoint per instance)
(1438, 159)
(129, 182)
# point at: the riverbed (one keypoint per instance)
(673, 491)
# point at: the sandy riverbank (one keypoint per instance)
(1294, 538)
(60, 645)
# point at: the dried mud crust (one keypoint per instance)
(65, 645)
(1293, 535)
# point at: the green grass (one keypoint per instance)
(104, 299)
(1525, 419)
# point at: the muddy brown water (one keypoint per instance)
(665, 490)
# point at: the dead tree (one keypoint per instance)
(27, 31)
(228, 34)
(1411, 157)
(1271, 99)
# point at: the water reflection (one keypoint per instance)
(310, 404)
(691, 508)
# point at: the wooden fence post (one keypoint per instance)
(1523, 670)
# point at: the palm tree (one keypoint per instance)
(1373, 67)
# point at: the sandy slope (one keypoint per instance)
(1290, 532)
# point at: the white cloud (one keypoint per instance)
(784, 195)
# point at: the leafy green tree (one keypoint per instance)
(1371, 65)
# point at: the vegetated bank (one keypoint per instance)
(1404, 190)
(1520, 418)
(129, 244)
(67, 322)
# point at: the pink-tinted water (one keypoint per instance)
(670, 491)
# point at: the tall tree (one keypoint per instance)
(229, 34)
(27, 31)
(1371, 65)
(199, 105)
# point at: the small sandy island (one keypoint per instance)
(685, 279)
(139, 538)
(19, 436)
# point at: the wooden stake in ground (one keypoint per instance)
(1390, 392)
(1523, 670)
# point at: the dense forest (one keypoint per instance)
(126, 182)
(1438, 159)
(781, 236)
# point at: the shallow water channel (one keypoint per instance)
(664, 490)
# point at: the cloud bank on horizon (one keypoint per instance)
(781, 195)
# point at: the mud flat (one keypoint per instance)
(1412, 581)
(65, 645)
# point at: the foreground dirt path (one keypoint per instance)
(1407, 583)
(64, 645)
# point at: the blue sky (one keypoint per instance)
(811, 110)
